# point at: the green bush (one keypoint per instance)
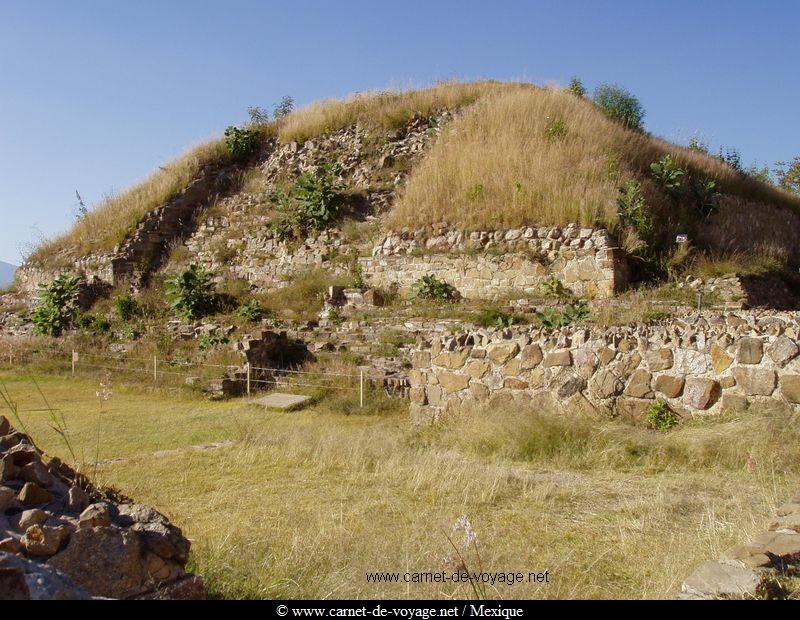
(494, 317)
(313, 203)
(207, 342)
(430, 287)
(660, 417)
(620, 105)
(576, 87)
(241, 143)
(126, 307)
(191, 293)
(561, 317)
(251, 310)
(732, 157)
(284, 107)
(707, 195)
(58, 305)
(788, 175)
(94, 324)
(555, 289)
(632, 211)
(668, 175)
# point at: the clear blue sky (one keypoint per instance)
(96, 94)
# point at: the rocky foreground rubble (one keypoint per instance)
(766, 567)
(62, 538)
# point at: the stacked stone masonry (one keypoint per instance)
(696, 365)
(492, 264)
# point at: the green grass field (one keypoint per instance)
(303, 504)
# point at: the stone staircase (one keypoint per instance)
(145, 250)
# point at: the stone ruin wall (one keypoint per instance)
(700, 365)
(493, 264)
(480, 265)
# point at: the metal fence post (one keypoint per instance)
(248, 378)
(361, 388)
(74, 359)
(155, 370)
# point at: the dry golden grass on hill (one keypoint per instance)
(544, 156)
(386, 109)
(518, 154)
(111, 221)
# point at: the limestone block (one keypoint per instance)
(790, 388)
(661, 359)
(782, 351)
(670, 386)
(605, 384)
(501, 352)
(453, 382)
(558, 358)
(639, 385)
(720, 360)
(755, 381)
(700, 393)
(750, 351)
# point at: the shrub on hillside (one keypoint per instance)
(241, 143)
(667, 175)
(620, 105)
(576, 87)
(707, 195)
(251, 310)
(191, 292)
(788, 175)
(126, 307)
(313, 202)
(431, 287)
(58, 305)
(284, 107)
(632, 211)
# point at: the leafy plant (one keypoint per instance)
(210, 341)
(732, 157)
(358, 274)
(660, 417)
(619, 105)
(555, 130)
(788, 175)
(251, 310)
(126, 307)
(258, 115)
(697, 145)
(576, 87)
(335, 316)
(313, 203)
(240, 142)
(430, 287)
(284, 107)
(555, 289)
(192, 293)
(58, 305)
(494, 317)
(667, 175)
(562, 317)
(94, 324)
(707, 195)
(632, 211)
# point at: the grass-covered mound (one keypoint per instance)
(545, 156)
(515, 154)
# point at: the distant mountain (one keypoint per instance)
(6, 273)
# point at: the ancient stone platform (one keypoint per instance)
(284, 402)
